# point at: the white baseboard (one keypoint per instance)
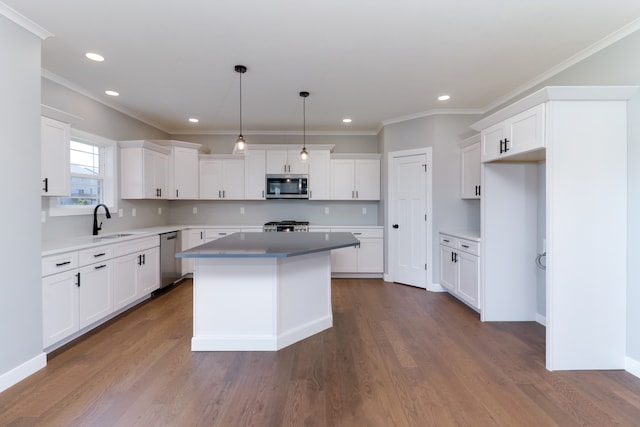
(541, 319)
(21, 372)
(632, 366)
(436, 287)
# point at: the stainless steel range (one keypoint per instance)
(286, 226)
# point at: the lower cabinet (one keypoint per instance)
(80, 289)
(368, 258)
(460, 268)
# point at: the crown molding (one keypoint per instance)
(272, 132)
(434, 112)
(24, 22)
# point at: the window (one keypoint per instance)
(92, 169)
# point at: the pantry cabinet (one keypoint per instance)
(221, 177)
(460, 268)
(144, 170)
(54, 154)
(355, 178)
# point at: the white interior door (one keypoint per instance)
(408, 217)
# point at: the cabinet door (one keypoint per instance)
(125, 290)
(526, 130)
(211, 179)
(370, 256)
(367, 179)
(448, 269)
(54, 151)
(344, 260)
(319, 178)
(492, 142)
(148, 273)
(59, 307)
(95, 292)
(185, 173)
(277, 161)
(342, 179)
(190, 239)
(254, 174)
(233, 179)
(295, 163)
(155, 170)
(470, 170)
(468, 273)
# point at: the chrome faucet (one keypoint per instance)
(97, 227)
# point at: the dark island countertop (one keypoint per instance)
(270, 245)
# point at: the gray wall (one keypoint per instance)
(443, 133)
(21, 294)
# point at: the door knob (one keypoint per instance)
(395, 226)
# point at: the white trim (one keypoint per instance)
(17, 374)
(632, 366)
(435, 112)
(436, 287)
(428, 152)
(24, 22)
(271, 132)
(541, 319)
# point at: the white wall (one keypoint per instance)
(20, 289)
(443, 133)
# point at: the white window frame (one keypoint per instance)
(110, 196)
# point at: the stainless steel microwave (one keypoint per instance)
(287, 186)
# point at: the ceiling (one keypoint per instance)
(374, 61)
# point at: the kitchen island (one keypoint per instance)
(262, 291)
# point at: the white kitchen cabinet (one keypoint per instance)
(367, 258)
(221, 177)
(148, 272)
(286, 161)
(190, 239)
(470, 171)
(54, 155)
(460, 268)
(144, 170)
(183, 169)
(95, 292)
(319, 186)
(59, 307)
(522, 133)
(355, 179)
(211, 234)
(254, 174)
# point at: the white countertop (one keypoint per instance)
(464, 234)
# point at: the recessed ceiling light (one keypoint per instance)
(443, 97)
(111, 93)
(346, 120)
(193, 120)
(94, 56)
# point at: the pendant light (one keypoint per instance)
(304, 154)
(241, 143)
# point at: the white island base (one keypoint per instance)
(260, 304)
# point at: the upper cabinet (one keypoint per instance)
(222, 177)
(520, 135)
(319, 175)
(355, 177)
(54, 149)
(183, 169)
(144, 170)
(286, 161)
(254, 174)
(470, 169)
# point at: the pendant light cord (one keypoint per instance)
(304, 122)
(241, 103)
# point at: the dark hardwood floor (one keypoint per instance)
(396, 356)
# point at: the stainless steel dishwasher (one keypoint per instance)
(170, 266)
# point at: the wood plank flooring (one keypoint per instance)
(396, 356)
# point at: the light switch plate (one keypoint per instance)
(159, 211)
(364, 211)
(326, 211)
(133, 212)
(241, 211)
(195, 210)
(120, 213)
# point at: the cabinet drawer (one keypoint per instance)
(362, 233)
(213, 233)
(58, 263)
(136, 245)
(100, 253)
(468, 246)
(450, 241)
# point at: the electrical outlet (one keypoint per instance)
(43, 216)
(241, 211)
(326, 211)
(133, 212)
(195, 210)
(159, 211)
(364, 211)
(120, 213)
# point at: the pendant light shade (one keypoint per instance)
(304, 154)
(241, 143)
